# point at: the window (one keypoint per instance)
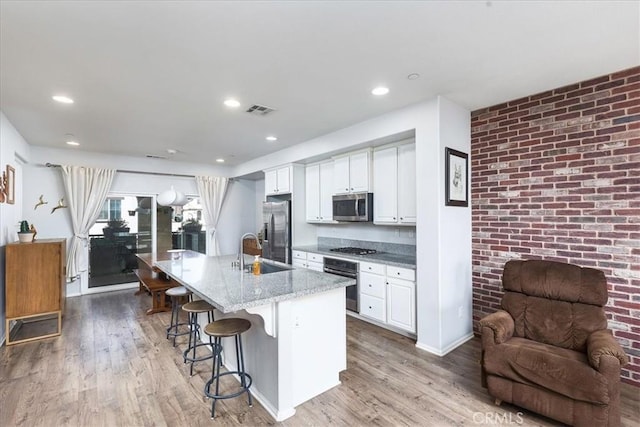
(112, 209)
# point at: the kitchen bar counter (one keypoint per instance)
(296, 347)
(398, 260)
(214, 280)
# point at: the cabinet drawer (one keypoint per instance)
(373, 285)
(372, 307)
(316, 266)
(299, 263)
(370, 267)
(299, 254)
(401, 273)
(315, 257)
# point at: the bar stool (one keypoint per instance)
(230, 327)
(194, 308)
(176, 294)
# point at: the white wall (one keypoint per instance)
(13, 151)
(443, 235)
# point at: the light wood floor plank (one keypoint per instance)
(112, 366)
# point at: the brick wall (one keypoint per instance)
(556, 176)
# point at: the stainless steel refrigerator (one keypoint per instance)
(276, 244)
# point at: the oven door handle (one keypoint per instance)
(340, 273)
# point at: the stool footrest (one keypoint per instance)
(192, 359)
(176, 333)
(245, 389)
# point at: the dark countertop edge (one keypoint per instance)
(378, 258)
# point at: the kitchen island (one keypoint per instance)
(296, 346)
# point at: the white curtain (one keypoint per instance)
(212, 190)
(87, 191)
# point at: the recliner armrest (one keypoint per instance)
(601, 343)
(502, 325)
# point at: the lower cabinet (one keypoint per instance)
(388, 295)
(308, 260)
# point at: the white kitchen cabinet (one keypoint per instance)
(401, 298)
(385, 186)
(388, 295)
(372, 284)
(308, 260)
(394, 185)
(407, 184)
(319, 191)
(278, 180)
(351, 173)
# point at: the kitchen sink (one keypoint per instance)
(266, 268)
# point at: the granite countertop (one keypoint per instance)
(228, 289)
(398, 260)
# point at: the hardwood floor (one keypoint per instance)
(112, 366)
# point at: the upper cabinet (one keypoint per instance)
(394, 185)
(278, 180)
(351, 173)
(319, 190)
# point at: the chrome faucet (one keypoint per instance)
(240, 254)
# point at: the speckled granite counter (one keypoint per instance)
(398, 260)
(229, 290)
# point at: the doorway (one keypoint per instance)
(134, 224)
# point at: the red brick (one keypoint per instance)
(584, 214)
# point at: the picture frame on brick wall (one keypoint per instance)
(456, 167)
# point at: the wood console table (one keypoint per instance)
(154, 281)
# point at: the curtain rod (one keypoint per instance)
(52, 165)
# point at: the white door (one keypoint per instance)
(359, 172)
(401, 302)
(385, 186)
(407, 183)
(284, 183)
(326, 191)
(341, 175)
(312, 187)
(270, 182)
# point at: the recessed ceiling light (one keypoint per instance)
(63, 99)
(271, 138)
(70, 139)
(413, 76)
(220, 160)
(171, 151)
(231, 103)
(380, 90)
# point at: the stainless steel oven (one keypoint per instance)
(349, 269)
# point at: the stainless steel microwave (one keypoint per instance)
(354, 207)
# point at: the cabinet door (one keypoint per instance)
(312, 190)
(341, 175)
(284, 180)
(359, 172)
(401, 303)
(385, 186)
(326, 192)
(271, 182)
(407, 184)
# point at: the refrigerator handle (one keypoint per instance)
(272, 225)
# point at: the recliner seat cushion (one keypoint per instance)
(563, 371)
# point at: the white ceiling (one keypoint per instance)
(149, 76)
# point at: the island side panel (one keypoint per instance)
(260, 360)
(318, 343)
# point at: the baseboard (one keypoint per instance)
(11, 328)
(447, 349)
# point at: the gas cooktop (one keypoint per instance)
(354, 251)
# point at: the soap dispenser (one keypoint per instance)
(256, 265)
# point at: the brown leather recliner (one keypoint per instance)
(549, 349)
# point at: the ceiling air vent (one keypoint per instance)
(151, 156)
(260, 110)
